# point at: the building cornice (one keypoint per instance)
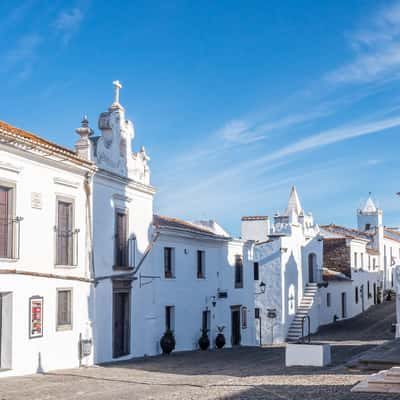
(130, 183)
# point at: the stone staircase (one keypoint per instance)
(306, 303)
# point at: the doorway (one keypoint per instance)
(5, 330)
(235, 326)
(344, 305)
(362, 297)
(121, 317)
(374, 293)
(311, 267)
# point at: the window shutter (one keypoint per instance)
(4, 222)
(64, 233)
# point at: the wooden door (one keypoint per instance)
(235, 326)
(121, 323)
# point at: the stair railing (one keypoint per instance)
(307, 317)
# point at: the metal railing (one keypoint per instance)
(10, 238)
(66, 246)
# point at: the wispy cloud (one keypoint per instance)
(22, 56)
(377, 47)
(68, 23)
(16, 15)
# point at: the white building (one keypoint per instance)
(145, 265)
(324, 274)
(45, 278)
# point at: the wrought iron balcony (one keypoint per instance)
(124, 252)
(10, 238)
(66, 250)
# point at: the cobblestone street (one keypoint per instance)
(243, 373)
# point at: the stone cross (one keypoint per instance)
(117, 87)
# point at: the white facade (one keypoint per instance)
(323, 274)
(37, 175)
(132, 298)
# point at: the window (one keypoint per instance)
(121, 240)
(356, 295)
(256, 271)
(244, 317)
(6, 222)
(367, 227)
(65, 233)
(374, 262)
(238, 272)
(205, 322)
(257, 313)
(369, 262)
(201, 264)
(355, 260)
(170, 318)
(64, 309)
(328, 299)
(169, 262)
(362, 260)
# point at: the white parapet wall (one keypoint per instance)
(316, 355)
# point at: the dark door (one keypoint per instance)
(311, 263)
(374, 293)
(362, 297)
(235, 318)
(121, 322)
(344, 313)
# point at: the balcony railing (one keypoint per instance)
(66, 246)
(10, 238)
(124, 253)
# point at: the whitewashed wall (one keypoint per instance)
(59, 349)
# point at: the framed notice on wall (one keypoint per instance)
(36, 317)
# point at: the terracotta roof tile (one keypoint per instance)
(6, 128)
(168, 222)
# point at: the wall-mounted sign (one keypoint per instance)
(36, 317)
(36, 200)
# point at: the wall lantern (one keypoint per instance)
(262, 287)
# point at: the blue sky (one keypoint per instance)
(235, 101)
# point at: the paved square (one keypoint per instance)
(242, 373)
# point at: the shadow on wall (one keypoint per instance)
(291, 288)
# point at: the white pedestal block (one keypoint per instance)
(317, 355)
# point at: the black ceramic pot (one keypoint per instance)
(204, 341)
(220, 341)
(167, 342)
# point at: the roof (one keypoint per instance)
(28, 137)
(293, 203)
(330, 275)
(372, 251)
(369, 206)
(255, 218)
(344, 231)
(175, 223)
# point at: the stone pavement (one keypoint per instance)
(242, 373)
